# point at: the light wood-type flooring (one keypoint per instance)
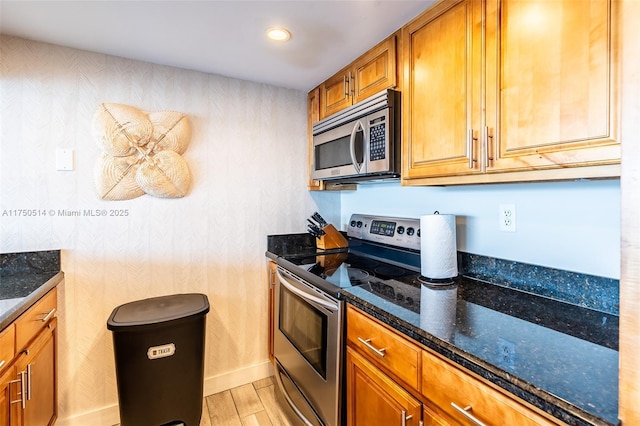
(253, 404)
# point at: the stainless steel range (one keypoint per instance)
(309, 325)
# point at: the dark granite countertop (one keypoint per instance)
(24, 279)
(560, 357)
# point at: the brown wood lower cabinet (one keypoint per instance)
(40, 377)
(28, 378)
(7, 394)
(463, 397)
(374, 399)
(380, 391)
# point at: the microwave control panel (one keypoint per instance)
(377, 138)
(396, 231)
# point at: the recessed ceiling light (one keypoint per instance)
(278, 34)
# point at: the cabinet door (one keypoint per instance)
(442, 91)
(39, 367)
(374, 399)
(11, 394)
(10, 390)
(7, 345)
(551, 95)
(335, 93)
(375, 71)
(371, 73)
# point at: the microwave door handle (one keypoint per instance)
(352, 145)
(303, 294)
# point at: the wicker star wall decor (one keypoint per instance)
(141, 153)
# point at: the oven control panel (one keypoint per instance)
(396, 231)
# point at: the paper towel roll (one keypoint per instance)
(438, 252)
(438, 310)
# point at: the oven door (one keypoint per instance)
(307, 348)
(340, 152)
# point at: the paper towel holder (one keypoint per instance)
(443, 279)
(436, 281)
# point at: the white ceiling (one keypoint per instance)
(219, 37)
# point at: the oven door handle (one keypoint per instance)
(288, 398)
(304, 294)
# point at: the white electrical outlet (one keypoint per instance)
(507, 217)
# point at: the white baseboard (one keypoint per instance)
(109, 415)
(106, 416)
(236, 378)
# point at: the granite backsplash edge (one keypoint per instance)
(29, 262)
(587, 291)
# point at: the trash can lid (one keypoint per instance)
(158, 309)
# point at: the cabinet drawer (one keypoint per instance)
(383, 346)
(35, 318)
(446, 385)
(7, 345)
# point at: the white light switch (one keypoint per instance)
(64, 159)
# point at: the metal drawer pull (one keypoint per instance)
(28, 382)
(2, 363)
(470, 140)
(466, 412)
(367, 343)
(22, 400)
(405, 418)
(47, 315)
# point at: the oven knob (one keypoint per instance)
(418, 234)
(353, 223)
(410, 231)
(400, 230)
(359, 224)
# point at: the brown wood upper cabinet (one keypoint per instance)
(369, 74)
(510, 90)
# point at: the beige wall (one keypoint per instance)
(248, 181)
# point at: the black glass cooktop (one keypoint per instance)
(362, 264)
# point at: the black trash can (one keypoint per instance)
(159, 355)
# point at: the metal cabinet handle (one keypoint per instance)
(466, 412)
(46, 316)
(344, 85)
(470, 140)
(486, 137)
(352, 88)
(367, 343)
(2, 363)
(22, 400)
(405, 418)
(28, 391)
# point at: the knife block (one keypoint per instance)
(332, 239)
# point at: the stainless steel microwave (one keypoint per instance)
(359, 143)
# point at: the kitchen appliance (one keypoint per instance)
(309, 325)
(359, 143)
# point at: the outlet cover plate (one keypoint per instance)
(507, 217)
